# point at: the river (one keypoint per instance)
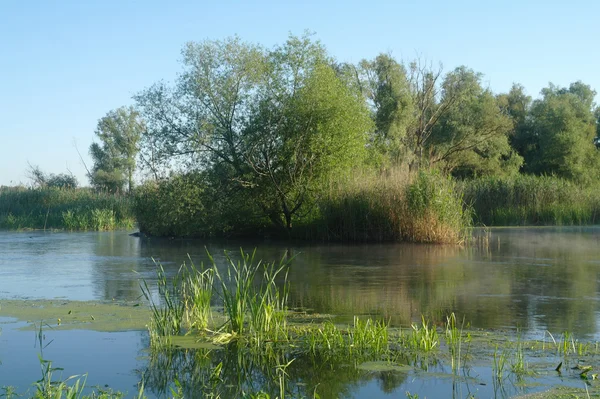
(534, 280)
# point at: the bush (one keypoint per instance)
(172, 207)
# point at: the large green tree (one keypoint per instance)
(115, 156)
(517, 105)
(274, 125)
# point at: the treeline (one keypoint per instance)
(287, 141)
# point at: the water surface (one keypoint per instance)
(533, 279)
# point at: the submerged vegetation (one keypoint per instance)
(69, 209)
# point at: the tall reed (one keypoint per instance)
(531, 200)
(423, 207)
(254, 304)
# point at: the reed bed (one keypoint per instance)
(396, 206)
(531, 200)
(74, 209)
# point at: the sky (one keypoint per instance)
(64, 64)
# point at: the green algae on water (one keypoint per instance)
(81, 315)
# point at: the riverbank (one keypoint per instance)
(365, 207)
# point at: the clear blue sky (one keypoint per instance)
(64, 64)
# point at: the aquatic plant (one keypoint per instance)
(197, 292)
(253, 312)
(390, 207)
(369, 336)
(257, 310)
(499, 363)
(423, 337)
(168, 314)
(454, 341)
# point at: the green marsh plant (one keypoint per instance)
(169, 310)
(70, 209)
(197, 291)
(454, 341)
(258, 311)
(423, 337)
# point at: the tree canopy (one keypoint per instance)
(115, 156)
(273, 123)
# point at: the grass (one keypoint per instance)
(252, 311)
(454, 341)
(75, 209)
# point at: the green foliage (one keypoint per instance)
(254, 312)
(563, 127)
(471, 138)
(387, 86)
(531, 200)
(423, 337)
(114, 158)
(51, 208)
(172, 207)
(258, 311)
(434, 210)
(192, 205)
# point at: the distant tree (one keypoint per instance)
(517, 105)
(387, 88)
(425, 118)
(471, 137)
(115, 156)
(39, 179)
(563, 131)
